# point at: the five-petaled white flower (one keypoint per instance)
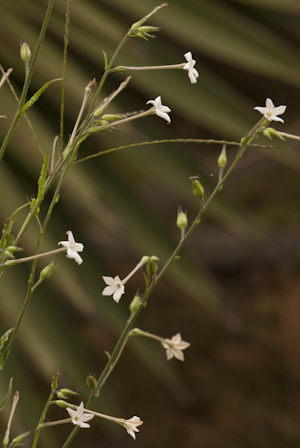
(79, 418)
(72, 247)
(175, 346)
(189, 66)
(131, 425)
(160, 110)
(115, 288)
(270, 112)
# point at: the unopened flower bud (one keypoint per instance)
(197, 187)
(62, 403)
(268, 132)
(25, 52)
(182, 221)
(135, 304)
(48, 271)
(222, 160)
(110, 117)
(17, 440)
(63, 393)
(143, 32)
(91, 382)
(152, 265)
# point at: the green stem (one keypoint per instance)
(25, 304)
(28, 79)
(176, 140)
(149, 288)
(43, 416)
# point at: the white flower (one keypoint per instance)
(189, 66)
(115, 288)
(175, 346)
(72, 247)
(131, 425)
(78, 416)
(270, 112)
(160, 110)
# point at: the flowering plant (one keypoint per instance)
(93, 119)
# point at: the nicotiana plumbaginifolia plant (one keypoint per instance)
(94, 117)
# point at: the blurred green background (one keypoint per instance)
(234, 294)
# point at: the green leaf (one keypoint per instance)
(4, 402)
(36, 96)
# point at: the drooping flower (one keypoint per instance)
(175, 346)
(78, 416)
(270, 112)
(115, 288)
(189, 66)
(160, 110)
(72, 247)
(131, 425)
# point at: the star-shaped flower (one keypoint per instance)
(189, 66)
(270, 112)
(160, 110)
(131, 425)
(79, 417)
(115, 288)
(175, 346)
(72, 247)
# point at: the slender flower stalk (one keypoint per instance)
(173, 346)
(70, 246)
(130, 425)
(13, 408)
(285, 134)
(189, 66)
(5, 76)
(87, 92)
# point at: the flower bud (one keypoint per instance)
(268, 132)
(110, 117)
(54, 382)
(197, 188)
(17, 440)
(91, 382)
(62, 403)
(222, 160)
(135, 304)
(152, 266)
(63, 393)
(143, 32)
(48, 271)
(182, 221)
(25, 52)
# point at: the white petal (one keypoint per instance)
(118, 294)
(109, 280)
(269, 104)
(275, 118)
(163, 115)
(109, 290)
